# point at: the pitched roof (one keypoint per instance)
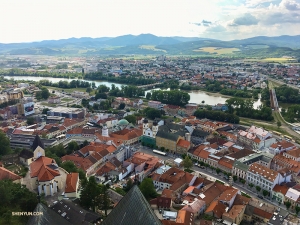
(183, 143)
(261, 213)
(6, 174)
(71, 181)
(263, 171)
(37, 142)
(281, 188)
(234, 212)
(49, 217)
(44, 168)
(126, 210)
(217, 208)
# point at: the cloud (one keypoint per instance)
(280, 18)
(205, 23)
(215, 28)
(247, 19)
(291, 5)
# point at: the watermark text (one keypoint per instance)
(27, 213)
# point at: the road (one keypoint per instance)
(212, 176)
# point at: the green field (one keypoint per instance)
(151, 47)
(278, 60)
(67, 99)
(217, 50)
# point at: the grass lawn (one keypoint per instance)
(48, 104)
(67, 99)
(216, 50)
(70, 90)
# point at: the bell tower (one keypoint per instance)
(145, 126)
(154, 129)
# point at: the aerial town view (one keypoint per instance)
(146, 112)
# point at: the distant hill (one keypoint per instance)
(151, 44)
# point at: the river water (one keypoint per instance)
(195, 96)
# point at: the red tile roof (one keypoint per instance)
(41, 169)
(183, 143)
(71, 182)
(6, 174)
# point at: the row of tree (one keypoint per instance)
(245, 108)
(173, 97)
(66, 84)
(236, 93)
(287, 94)
(217, 115)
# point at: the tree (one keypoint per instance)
(45, 93)
(131, 119)
(89, 90)
(148, 95)
(120, 191)
(72, 146)
(297, 209)
(69, 166)
(30, 120)
(4, 143)
(258, 188)
(266, 193)
(148, 189)
(90, 194)
(218, 170)
(122, 105)
(129, 185)
(287, 204)
(251, 185)
(45, 110)
(278, 124)
(187, 163)
(234, 178)
(104, 201)
(152, 113)
(243, 181)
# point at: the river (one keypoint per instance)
(195, 96)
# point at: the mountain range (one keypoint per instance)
(150, 44)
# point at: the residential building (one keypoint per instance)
(282, 146)
(264, 177)
(293, 154)
(155, 104)
(54, 100)
(71, 113)
(279, 192)
(79, 94)
(235, 215)
(6, 174)
(280, 162)
(72, 185)
(293, 196)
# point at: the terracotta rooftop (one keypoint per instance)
(217, 208)
(44, 168)
(7, 174)
(261, 213)
(228, 195)
(71, 182)
(183, 143)
(234, 211)
(281, 188)
(263, 171)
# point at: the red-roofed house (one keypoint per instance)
(72, 184)
(183, 146)
(46, 176)
(6, 174)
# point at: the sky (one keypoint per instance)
(36, 20)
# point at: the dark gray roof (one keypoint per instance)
(37, 142)
(199, 133)
(49, 217)
(26, 154)
(115, 161)
(74, 213)
(133, 208)
(166, 135)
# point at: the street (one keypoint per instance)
(213, 176)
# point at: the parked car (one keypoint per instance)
(160, 211)
(261, 197)
(202, 167)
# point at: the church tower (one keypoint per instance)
(105, 131)
(154, 129)
(145, 126)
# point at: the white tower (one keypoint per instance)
(145, 126)
(105, 131)
(154, 129)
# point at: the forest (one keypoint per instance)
(217, 115)
(287, 94)
(173, 97)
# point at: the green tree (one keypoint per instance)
(104, 201)
(122, 105)
(235, 178)
(30, 120)
(266, 193)
(187, 163)
(4, 143)
(69, 166)
(90, 194)
(131, 119)
(89, 90)
(218, 170)
(120, 191)
(148, 95)
(278, 124)
(45, 110)
(287, 204)
(45, 93)
(258, 188)
(72, 146)
(251, 185)
(148, 189)
(129, 185)
(152, 113)
(243, 181)
(297, 209)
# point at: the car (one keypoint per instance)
(160, 211)
(261, 197)
(202, 167)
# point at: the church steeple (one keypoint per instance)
(37, 142)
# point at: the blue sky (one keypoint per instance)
(35, 20)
